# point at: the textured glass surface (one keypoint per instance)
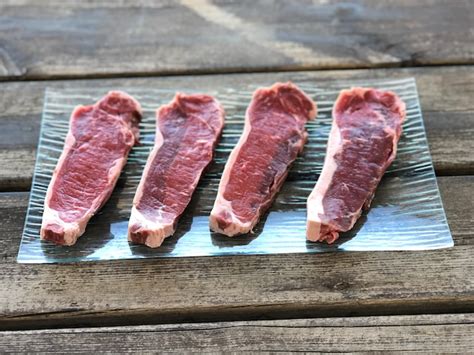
(406, 214)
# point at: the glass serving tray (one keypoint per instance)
(406, 213)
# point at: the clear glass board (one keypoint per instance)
(406, 213)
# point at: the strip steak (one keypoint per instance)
(367, 125)
(187, 132)
(97, 145)
(273, 136)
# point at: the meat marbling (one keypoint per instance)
(273, 136)
(187, 131)
(367, 125)
(96, 148)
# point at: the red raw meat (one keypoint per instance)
(367, 125)
(273, 136)
(187, 131)
(96, 149)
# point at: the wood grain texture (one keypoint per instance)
(241, 287)
(452, 333)
(102, 38)
(445, 94)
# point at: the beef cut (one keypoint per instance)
(187, 131)
(273, 136)
(367, 125)
(97, 145)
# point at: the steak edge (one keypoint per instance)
(367, 125)
(187, 132)
(97, 144)
(273, 136)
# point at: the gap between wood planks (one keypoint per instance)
(116, 318)
(228, 71)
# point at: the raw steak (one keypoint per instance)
(273, 136)
(96, 148)
(187, 131)
(366, 127)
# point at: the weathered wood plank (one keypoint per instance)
(427, 333)
(239, 288)
(445, 94)
(103, 38)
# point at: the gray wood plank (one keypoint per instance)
(102, 38)
(445, 94)
(426, 333)
(241, 287)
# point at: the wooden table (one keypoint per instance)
(333, 302)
